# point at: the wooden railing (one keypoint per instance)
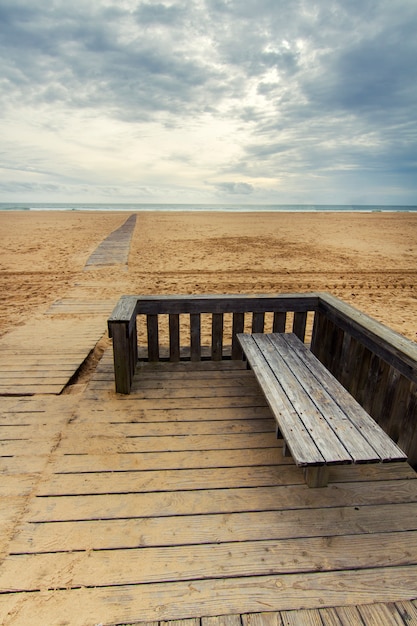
(377, 365)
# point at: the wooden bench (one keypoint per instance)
(321, 423)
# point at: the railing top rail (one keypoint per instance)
(386, 343)
(137, 305)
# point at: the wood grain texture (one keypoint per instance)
(212, 535)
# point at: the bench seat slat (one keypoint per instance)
(325, 397)
(321, 422)
(324, 437)
(302, 447)
(383, 445)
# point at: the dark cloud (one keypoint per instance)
(314, 88)
(155, 13)
(235, 188)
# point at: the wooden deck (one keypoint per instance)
(176, 503)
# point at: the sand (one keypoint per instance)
(367, 259)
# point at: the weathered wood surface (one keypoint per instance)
(186, 535)
(114, 250)
(379, 339)
(77, 306)
(31, 363)
(319, 420)
(375, 364)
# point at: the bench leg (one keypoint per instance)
(285, 449)
(317, 476)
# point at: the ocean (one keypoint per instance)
(234, 208)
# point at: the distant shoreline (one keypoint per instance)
(210, 208)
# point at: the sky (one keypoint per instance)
(209, 101)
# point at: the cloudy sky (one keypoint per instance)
(229, 101)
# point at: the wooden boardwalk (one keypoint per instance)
(114, 250)
(176, 503)
(35, 362)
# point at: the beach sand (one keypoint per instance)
(367, 259)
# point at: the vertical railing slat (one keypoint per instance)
(237, 327)
(258, 322)
(299, 324)
(153, 337)
(317, 334)
(195, 336)
(407, 439)
(217, 337)
(174, 337)
(280, 319)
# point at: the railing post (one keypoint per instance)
(123, 331)
(123, 357)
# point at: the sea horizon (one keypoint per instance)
(210, 207)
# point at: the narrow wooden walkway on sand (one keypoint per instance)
(114, 250)
(176, 503)
(33, 363)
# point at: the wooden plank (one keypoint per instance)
(17, 447)
(392, 347)
(277, 498)
(380, 442)
(124, 311)
(226, 303)
(162, 428)
(131, 413)
(349, 616)
(238, 326)
(330, 617)
(326, 398)
(217, 337)
(17, 484)
(122, 369)
(114, 249)
(408, 611)
(305, 617)
(153, 337)
(377, 407)
(222, 620)
(180, 373)
(262, 619)
(299, 324)
(174, 337)
(213, 528)
(195, 334)
(407, 431)
(315, 428)
(159, 480)
(281, 406)
(20, 463)
(377, 614)
(167, 460)
(187, 391)
(279, 321)
(108, 445)
(179, 563)
(181, 381)
(258, 322)
(182, 599)
(192, 403)
(35, 431)
(395, 402)
(336, 349)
